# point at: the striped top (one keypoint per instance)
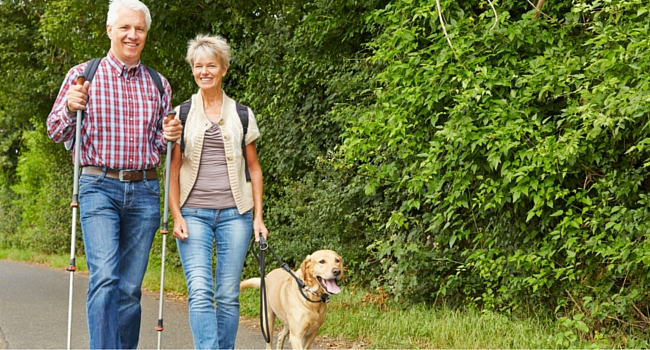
(122, 126)
(212, 185)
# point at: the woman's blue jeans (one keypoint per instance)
(214, 327)
(119, 221)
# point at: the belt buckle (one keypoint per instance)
(121, 175)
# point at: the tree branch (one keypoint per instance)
(539, 5)
(444, 29)
(496, 17)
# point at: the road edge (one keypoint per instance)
(3, 341)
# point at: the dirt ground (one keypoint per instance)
(321, 342)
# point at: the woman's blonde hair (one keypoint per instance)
(208, 46)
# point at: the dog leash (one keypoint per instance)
(261, 257)
(324, 297)
(263, 305)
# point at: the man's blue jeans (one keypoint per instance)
(119, 221)
(214, 328)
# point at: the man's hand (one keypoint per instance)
(77, 96)
(172, 129)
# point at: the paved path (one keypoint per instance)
(34, 313)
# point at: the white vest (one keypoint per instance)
(231, 131)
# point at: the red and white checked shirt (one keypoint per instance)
(122, 126)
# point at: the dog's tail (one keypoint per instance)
(250, 283)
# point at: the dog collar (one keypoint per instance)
(324, 297)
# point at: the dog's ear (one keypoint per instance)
(304, 269)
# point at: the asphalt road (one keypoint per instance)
(34, 313)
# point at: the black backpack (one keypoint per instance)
(242, 111)
(89, 73)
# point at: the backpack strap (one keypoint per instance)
(91, 67)
(184, 111)
(88, 74)
(156, 79)
(242, 111)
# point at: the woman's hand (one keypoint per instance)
(180, 229)
(258, 227)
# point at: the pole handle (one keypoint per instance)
(171, 114)
(81, 80)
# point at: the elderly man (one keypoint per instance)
(123, 136)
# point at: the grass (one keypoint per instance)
(366, 320)
(359, 318)
(174, 279)
(53, 261)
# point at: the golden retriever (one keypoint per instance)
(301, 318)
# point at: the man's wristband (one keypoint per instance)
(68, 111)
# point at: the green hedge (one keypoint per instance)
(517, 159)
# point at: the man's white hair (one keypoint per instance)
(133, 5)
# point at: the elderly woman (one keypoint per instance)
(210, 198)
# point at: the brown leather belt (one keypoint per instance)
(122, 175)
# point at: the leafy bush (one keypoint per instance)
(517, 158)
(44, 196)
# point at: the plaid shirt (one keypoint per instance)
(122, 126)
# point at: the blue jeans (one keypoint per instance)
(119, 221)
(214, 327)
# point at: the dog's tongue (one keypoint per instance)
(332, 287)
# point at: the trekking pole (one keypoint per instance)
(163, 231)
(74, 204)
